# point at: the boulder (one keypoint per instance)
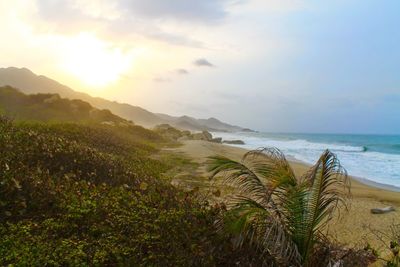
(204, 135)
(199, 136)
(216, 140)
(168, 131)
(207, 135)
(382, 210)
(234, 142)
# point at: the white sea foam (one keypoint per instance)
(374, 166)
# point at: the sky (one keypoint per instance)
(271, 65)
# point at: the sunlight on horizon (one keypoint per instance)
(94, 62)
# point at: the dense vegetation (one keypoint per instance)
(50, 107)
(88, 195)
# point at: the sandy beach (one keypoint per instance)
(355, 227)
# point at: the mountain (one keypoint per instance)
(51, 107)
(28, 82)
(211, 124)
(215, 123)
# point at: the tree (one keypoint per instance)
(281, 215)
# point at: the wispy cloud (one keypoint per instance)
(202, 62)
(205, 11)
(161, 80)
(182, 71)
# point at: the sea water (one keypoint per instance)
(372, 157)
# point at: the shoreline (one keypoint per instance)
(362, 180)
(370, 183)
(365, 181)
(375, 168)
(354, 226)
(200, 150)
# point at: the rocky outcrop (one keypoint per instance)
(217, 140)
(169, 132)
(204, 135)
(207, 135)
(234, 142)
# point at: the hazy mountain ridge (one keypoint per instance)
(28, 82)
(51, 107)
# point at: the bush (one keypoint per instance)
(89, 195)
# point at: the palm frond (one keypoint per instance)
(271, 164)
(283, 216)
(328, 186)
(252, 222)
(237, 175)
(293, 204)
(260, 173)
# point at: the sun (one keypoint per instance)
(94, 62)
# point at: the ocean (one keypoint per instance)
(375, 158)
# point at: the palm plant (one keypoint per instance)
(272, 209)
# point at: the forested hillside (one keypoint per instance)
(50, 107)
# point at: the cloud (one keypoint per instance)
(202, 62)
(174, 39)
(271, 6)
(182, 71)
(205, 11)
(71, 17)
(161, 80)
(130, 19)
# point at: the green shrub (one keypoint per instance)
(90, 195)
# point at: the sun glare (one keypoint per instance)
(94, 62)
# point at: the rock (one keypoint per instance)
(168, 131)
(234, 142)
(216, 140)
(207, 135)
(382, 210)
(199, 136)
